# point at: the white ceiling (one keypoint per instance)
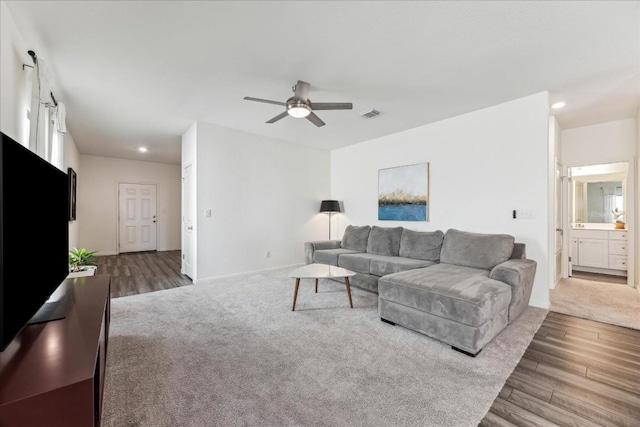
(141, 72)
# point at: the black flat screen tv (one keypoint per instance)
(34, 235)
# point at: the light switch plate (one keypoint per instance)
(525, 214)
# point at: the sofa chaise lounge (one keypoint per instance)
(457, 287)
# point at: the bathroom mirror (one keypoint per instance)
(598, 191)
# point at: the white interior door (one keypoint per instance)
(187, 219)
(137, 217)
(573, 256)
(559, 231)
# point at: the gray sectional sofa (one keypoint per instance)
(460, 288)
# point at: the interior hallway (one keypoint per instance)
(140, 272)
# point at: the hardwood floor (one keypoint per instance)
(575, 372)
(141, 272)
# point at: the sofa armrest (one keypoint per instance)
(311, 247)
(519, 274)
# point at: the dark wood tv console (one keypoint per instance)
(52, 374)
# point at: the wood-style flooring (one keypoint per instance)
(141, 272)
(575, 372)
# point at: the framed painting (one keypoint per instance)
(73, 183)
(403, 193)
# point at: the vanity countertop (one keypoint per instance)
(599, 228)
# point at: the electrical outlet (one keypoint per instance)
(267, 254)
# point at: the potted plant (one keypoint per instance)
(81, 262)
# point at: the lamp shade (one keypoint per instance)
(330, 206)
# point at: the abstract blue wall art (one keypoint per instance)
(403, 193)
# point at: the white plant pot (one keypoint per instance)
(88, 270)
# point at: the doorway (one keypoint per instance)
(188, 208)
(600, 223)
(137, 217)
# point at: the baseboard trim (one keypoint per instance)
(211, 279)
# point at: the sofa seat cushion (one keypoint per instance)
(330, 256)
(358, 262)
(381, 265)
(464, 294)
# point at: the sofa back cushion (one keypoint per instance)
(421, 244)
(356, 238)
(384, 241)
(476, 250)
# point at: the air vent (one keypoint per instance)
(370, 114)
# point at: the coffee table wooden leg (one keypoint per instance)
(346, 281)
(295, 294)
(316, 286)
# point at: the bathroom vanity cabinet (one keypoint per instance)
(599, 251)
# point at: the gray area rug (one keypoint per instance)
(232, 353)
(605, 302)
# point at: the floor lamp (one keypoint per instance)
(330, 207)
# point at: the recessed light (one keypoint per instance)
(558, 105)
(142, 149)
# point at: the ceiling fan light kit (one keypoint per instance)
(299, 106)
(298, 109)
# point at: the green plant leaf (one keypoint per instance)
(80, 257)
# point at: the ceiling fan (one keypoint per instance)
(299, 106)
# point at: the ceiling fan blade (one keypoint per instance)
(315, 120)
(266, 101)
(278, 117)
(302, 90)
(331, 106)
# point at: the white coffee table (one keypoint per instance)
(320, 271)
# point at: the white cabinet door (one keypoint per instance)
(593, 253)
(618, 262)
(618, 247)
(618, 235)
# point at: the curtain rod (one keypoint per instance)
(34, 57)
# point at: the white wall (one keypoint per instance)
(602, 143)
(97, 208)
(72, 160)
(264, 195)
(482, 166)
(15, 83)
(637, 204)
